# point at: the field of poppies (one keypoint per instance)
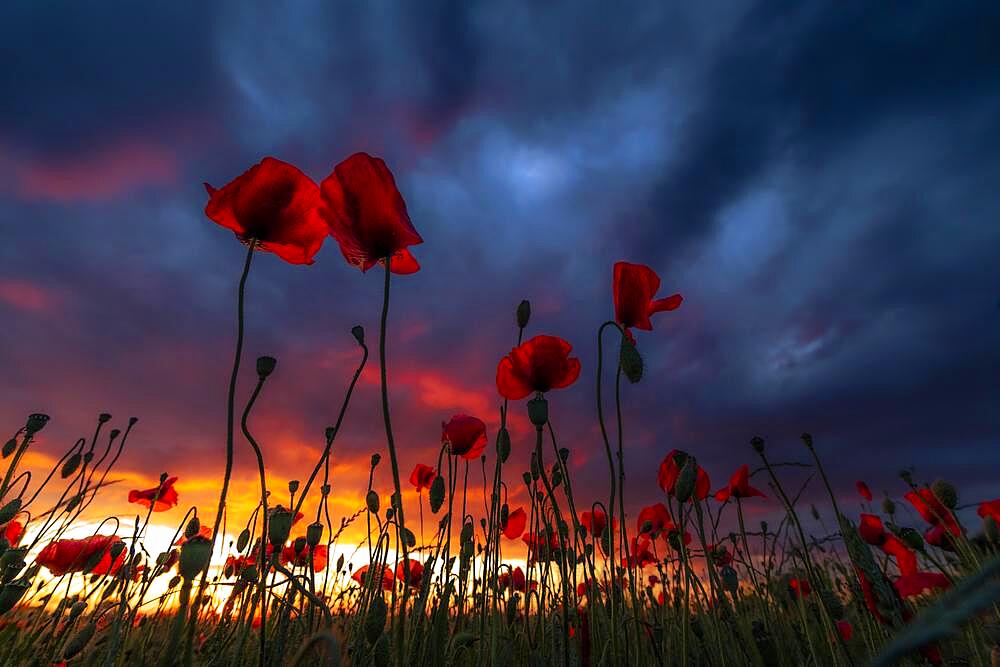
(463, 576)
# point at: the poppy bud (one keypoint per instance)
(556, 477)
(763, 527)
(631, 361)
(538, 411)
(503, 444)
(523, 313)
(299, 545)
(686, 480)
(504, 514)
(279, 525)
(375, 619)
(436, 496)
(265, 366)
(563, 454)
(73, 502)
(176, 579)
(293, 486)
(36, 422)
(243, 540)
(314, 533)
(74, 611)
(80, 640)
(807, 440)
(991, 529)
(527, 479)
(888, 506)
(116, 550)
(358, 332)
(194, 558)
(372, 501)
(89, 456)
(9, 447)
(12, 593)
(906, 476)
(192, 528)
(250, 574)
(72, 463)
(104, 417)
(340, 563)
(409, 538)
(325, 489)
(911, 538)
(10, 510)
(757, 443)
(376, 457)
(946, 493)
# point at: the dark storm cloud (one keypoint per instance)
(817, 180)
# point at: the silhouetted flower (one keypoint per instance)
(739, 486)
(387, 577)
(539, 364)
(670, 469)
(422, 477)
(465, 436)
(162, 497)
(416, 573)
(300, 557)
(634, 287)
(515, 523)
(67, 555)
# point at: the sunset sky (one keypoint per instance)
(818, 181)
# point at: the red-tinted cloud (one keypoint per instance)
(26, 296)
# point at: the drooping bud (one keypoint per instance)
(314, 533)
(523, 314)
(372, 501)
(80, 640)
(757, 443)
(436, 495)
(946, 493)
(358, 332)
(563, 454)
(906, 476)
(194, 558)
(503, 444)
(279, 525)
(36, 422)
(192, 528)
(243, 540)
(10, 510)
(527, 478)
(538, 411)
(556, 477)
(299, 545)
(265, 366)
(630, 360)
(9, 447)
(72, 463)
(409, 538)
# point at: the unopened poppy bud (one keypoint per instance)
(358, 332)
(757, 443)
(163, 477)
(194, 558)
(503, 444)
(192, 528)
(556, 477)
(114, 433)
(176, 579)
(523, 313)
(631, 361)
(75, 610)
(116, 550)
(330, 432)
(763, 527)
(372, 501)
(375, 619)
(72, 463)
(250, 574)
(36, 422)
(807, 440)
(538, 411)
(314, 533)
(686, 480)
(376, 457)
(906, 476)
(79, 640)
(504, 514)
(12, 593)
(243, 540)
(888, 506)
(293, 486)
(325, 489)
(563, 454)
(265, 366)
(9, 447)
(911, 538)
(279, 525)
(946, 493)
(991, 529)
(10, 510)
(104, 417)
(299, 545)
(436, 495)
(409, 538)
(88, 457)
(527, 479)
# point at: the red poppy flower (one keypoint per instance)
(868, 594)
(539, 364)
(515, 580)
(873, 532)
(465, 436)
(634, 287)
(514, 526)
(933, 510)
(799, 587)
(671, 532)
(66, 555)
(422, 477)
(387, 577)
(595, 522)
(640, 552)
(289, 555)
(204, 531)
(719, 555)
(864, 491)
(739, 486)
(939, 537)
(277, 205)
(236, 564)
(367, 215)
(162, 497)
(845, 630)
(670, 469)
(990, 508)
(13, 531)
(871, 529)
(915, 583)
(658, 518)
(416, 573)
(542, 547)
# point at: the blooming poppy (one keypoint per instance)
(543, 546)
(539, 364)
(387, 577)
(845, 630)
(739, 486)
(515, 580)
(515, 523)
(990, 508)
(68, 555)
(13, 531)
(640, 553)
(873, 532)
(465, 436)
(301, 557)
(634, 287)
(367, 216)
(915, 583)
(719, 555)
(236, 564)
(933, 510)
(416, 573)
(657, 516)
(595, 522)
(863, 490)
(275, 204)
(670, 470)
(162, 497)
(800, 587)
(422, 477)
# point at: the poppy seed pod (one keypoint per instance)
(36, 422)
(279, 525)
(911, 538)
(358, 332)
(265, 366)
(538, 411)
(195, 556)
(371, 500)
(757, 443)
(293, 486)
(503, 444)
(436, 495)
(946, 493)
(686, 480)
(523, 314)
(314, 533)
(9, 447)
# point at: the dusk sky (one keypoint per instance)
(819, 180)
